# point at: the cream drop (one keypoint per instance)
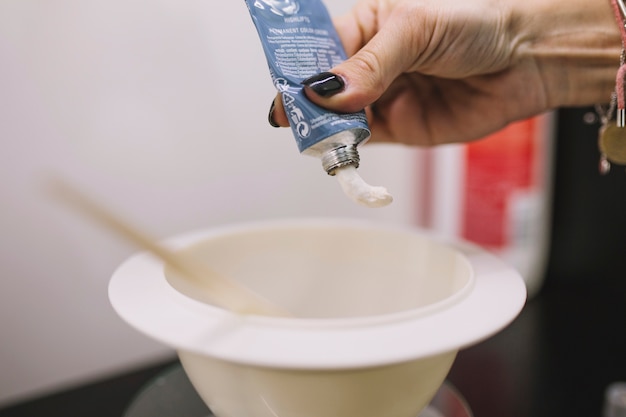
(358, 190)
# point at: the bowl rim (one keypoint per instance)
(141, 295)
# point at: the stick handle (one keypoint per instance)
(220, 290)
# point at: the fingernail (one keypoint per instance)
(270, 116)
(325, 84)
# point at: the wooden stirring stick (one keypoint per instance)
(220, 290)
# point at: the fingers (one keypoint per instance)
(363, 78)
(277, 116)
(382, 44)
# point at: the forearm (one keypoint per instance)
(575, 45)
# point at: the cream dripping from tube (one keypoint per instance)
(358, 190)
(299, 40)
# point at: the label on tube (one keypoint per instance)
(299, 40)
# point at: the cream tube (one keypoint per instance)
(299, 41)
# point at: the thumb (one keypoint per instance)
(363, 78)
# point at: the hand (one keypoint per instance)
(440, 71)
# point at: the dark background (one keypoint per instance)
(555, 360)
(589, 211)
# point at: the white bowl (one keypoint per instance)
(381, 313)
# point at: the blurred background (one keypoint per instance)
(159, 109)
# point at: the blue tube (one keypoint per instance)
(299, 40)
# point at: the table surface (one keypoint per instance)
(556, 359)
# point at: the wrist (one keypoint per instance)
(575, 45)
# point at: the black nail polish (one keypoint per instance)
(325, 84)
(270, 116)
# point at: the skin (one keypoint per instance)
(430, 72)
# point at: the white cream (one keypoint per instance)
(357, 189)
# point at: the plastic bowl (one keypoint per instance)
(381, 312)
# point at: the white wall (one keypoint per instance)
(158, 108)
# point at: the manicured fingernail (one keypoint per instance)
(270, 116)
(325, 84)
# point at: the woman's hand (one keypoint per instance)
(440, 71)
